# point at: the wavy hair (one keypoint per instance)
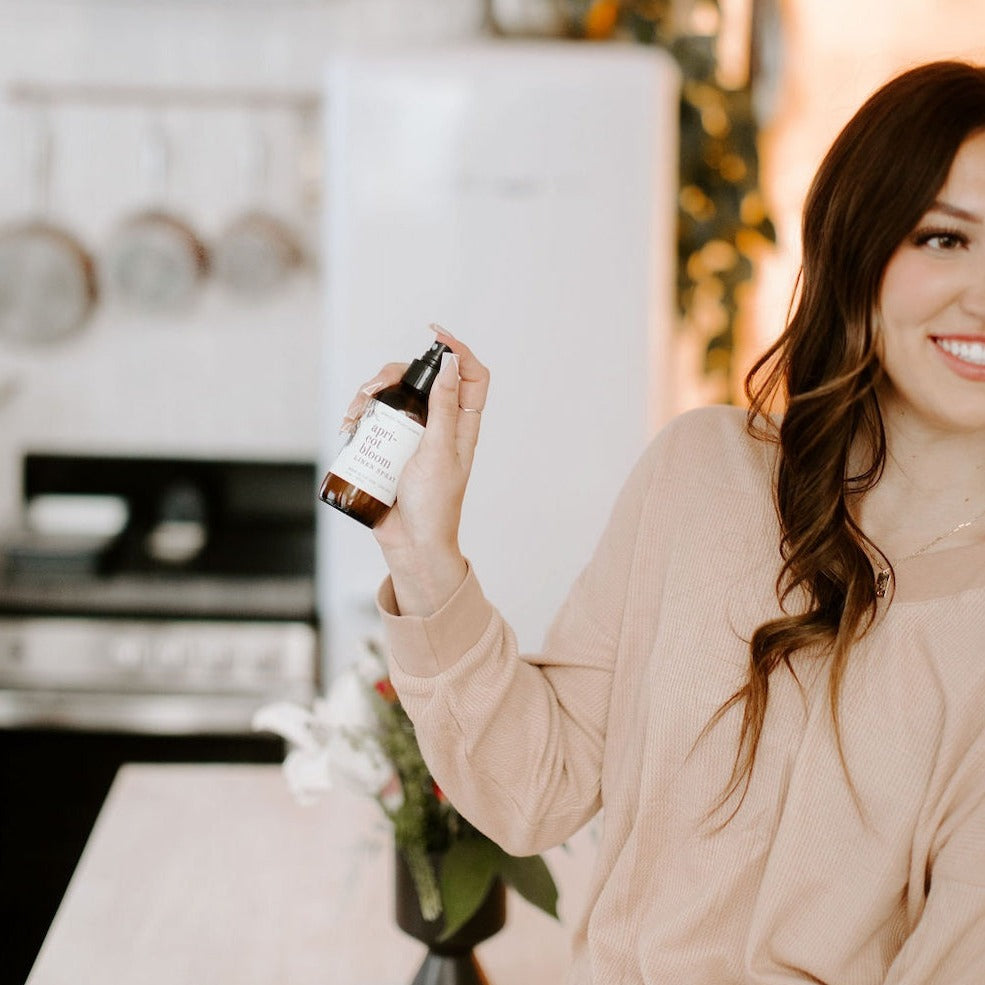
(879, 178)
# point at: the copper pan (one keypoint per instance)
(156, 261)
(48, 286)
(258, 250)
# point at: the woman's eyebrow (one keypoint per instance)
(955, 211)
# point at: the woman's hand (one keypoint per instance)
(419, 535)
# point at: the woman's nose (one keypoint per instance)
(973, 296)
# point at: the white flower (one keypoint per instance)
(359, 762)
(336, 740)
(306, 767)
(348, 704)
(296, 724)
(308, 774)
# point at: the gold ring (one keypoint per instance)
(470, 410)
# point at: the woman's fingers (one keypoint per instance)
(443, 412)
(474, 377)
(387, 376)
(472, 390)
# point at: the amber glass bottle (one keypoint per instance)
(362, 482)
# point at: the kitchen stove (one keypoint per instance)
(140, 638)
(179, 654)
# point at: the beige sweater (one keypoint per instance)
(801, 886)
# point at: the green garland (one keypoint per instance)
(722, 218)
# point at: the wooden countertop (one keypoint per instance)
(213, 873)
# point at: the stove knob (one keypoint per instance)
(219, 658)
(130, 654)
(268, 661)
(12, 650)
(173, 655)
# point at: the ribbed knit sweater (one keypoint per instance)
(807, 883)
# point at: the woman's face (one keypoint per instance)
(932, 307)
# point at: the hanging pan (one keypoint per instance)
(258, 251)
(48, 285)
(155, 261)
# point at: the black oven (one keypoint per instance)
(148, 606)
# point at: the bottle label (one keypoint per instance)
(376, 454)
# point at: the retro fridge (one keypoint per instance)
(523, 196)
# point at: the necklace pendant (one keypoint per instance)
(882, 582)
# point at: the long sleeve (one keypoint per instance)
(516, 741)
(948, 942)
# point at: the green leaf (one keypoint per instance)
(468, 869)
(532, 879)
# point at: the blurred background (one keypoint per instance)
(218, 217)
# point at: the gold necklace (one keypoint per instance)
(885, 575)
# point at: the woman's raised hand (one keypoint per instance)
(419, 536)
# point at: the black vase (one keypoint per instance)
(451, 961)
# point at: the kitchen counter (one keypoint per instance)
(214, 873)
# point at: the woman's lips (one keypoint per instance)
(963, 354)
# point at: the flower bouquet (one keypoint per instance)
(359, 735)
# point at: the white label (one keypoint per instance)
(376, 454)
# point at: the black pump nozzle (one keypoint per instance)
(421, 372)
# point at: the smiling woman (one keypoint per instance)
(786, 740)
(932, 307)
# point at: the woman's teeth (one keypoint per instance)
(968, 352)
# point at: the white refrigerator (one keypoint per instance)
(523, 196)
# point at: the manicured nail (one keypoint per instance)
(449, 368)
(435, 327)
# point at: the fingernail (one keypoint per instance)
(435, 327)
(448, 374)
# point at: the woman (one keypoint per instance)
(771, 675)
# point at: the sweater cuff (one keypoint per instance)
(423, 646)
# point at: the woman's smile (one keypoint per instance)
(964, 355)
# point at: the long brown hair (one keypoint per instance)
(880, 176)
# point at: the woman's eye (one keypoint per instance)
(940, 239)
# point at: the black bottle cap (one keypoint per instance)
(421, 372)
